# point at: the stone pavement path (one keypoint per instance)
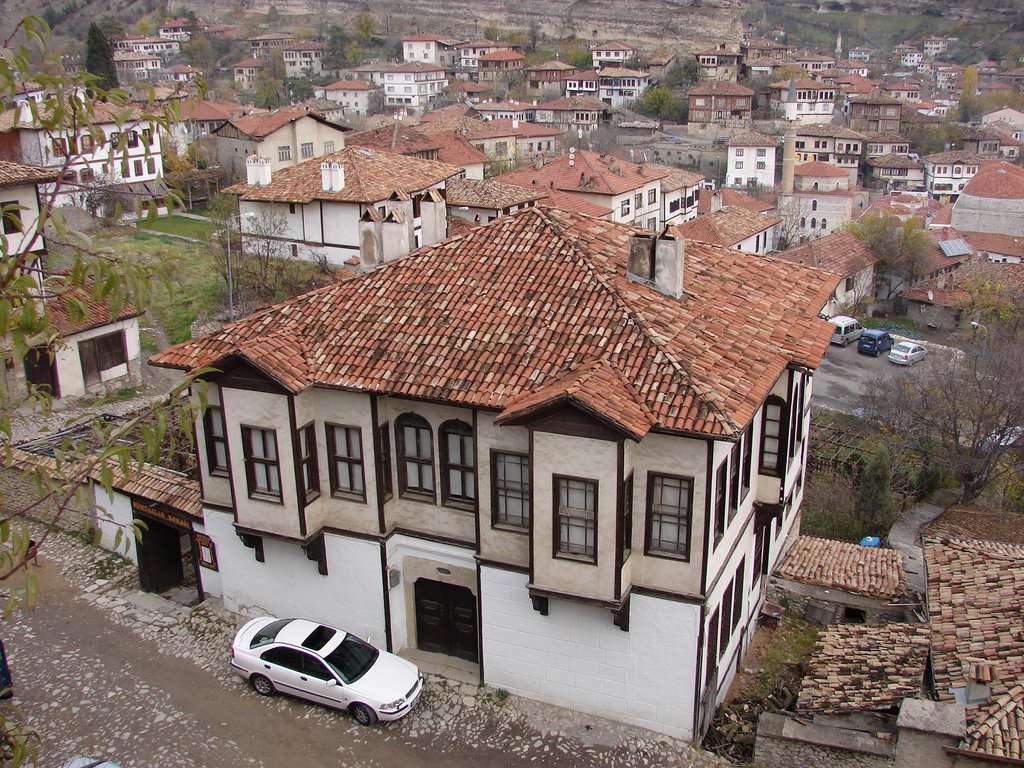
(905, 535)
(103, 668)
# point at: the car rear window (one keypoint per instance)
(352, 658)
(269, 633)
(903, 347)
(318, 638)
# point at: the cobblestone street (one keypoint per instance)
(101, 668)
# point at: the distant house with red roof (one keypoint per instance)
(245, 72)
(720, 104)
(450, 147)
(440, 50)
(284, 137)
(821, 202)
(573, 113)
(732, 227)
(846, 255)
(356, 97)
(613, 54)
(499, 65)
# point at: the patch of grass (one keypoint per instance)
(180, 225)
(148, 342)
(791, 645)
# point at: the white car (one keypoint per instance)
(906, 353)
(325, 665)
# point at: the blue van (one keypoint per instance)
(874, 342)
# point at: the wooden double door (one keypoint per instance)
(446, 619)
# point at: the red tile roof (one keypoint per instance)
(262, 125)
(452, 322)
(820, 169)
(487, 194)
(451, 147)
(998, 728)
(857, 668)
(841, 253)
(162, 485)
(1005, 245)
(502, 55)
(87, 313)
(733, 199)
(870, 571)
(954, 290)
(370, 176)
(728, 227)
(753, 139)
(575, 103)
(567, 201)
(997, 180)
(954, 157)
(976, 613)
(591, 173)
(16, 174)
(351, 85)
(720, 88)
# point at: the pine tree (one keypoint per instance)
(99, 58)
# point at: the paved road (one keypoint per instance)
(842, 380)
(102, 669)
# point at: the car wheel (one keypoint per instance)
(362, 714)
(844, 342)
(262, 685)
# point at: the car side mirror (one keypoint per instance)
(332, 681)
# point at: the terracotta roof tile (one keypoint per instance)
(966, 522)
(753, 139)
(590, 173)
(998, 729)
(450, 147)
(828, 131)
(976, 612)
(998, 180)
(731, 198)
(351, 85)
(720, 88)
(96, 313)
(728, 227)
(895, 161)
(453, 322)
(574, 103)
(487, 194)
(161, 485)
(677, 178)
(102, 112)
(370, 176)
(954, 157)
(16, 174)
(820, 169)
(870, 571)
(502, 55)
(1006, 245)
(841, 252)
(261, 126)
(952, 290)
(567, 201)
(857, 668)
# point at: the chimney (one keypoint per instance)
(257, 171)
(395, 243)
(25, 113)
(716, 201)
(325, 177)
(657, 262)
(337, 176)
(538, 161)
(515, 123)
(788, 160)
(370, 247)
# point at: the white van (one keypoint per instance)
(846, 330)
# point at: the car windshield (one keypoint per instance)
(269, 633)
(318, 638)
(352, 658)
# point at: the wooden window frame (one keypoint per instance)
(353, 464)
(309, 463)
(589, 524)
(746, 473)
(627, 518)
(737, 595)
(384, 460)
(498, 490)
(255, 492)
(782, 449)
(734, 479)
(649, 547)
(102, 353)
(418, 423)
(214, 416)
(464, 433)
(721, 500)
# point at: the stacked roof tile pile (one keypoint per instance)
(870, 571)
(857, 667)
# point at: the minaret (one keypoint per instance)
(839, 46)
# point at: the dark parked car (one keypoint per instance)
(874, 342)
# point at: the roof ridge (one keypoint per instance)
(646, 332)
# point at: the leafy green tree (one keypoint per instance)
(199, 52)
(874, 497)
(111, 27)
(491, 32)
(94, 277)
(901, 248)
(99, 58)
(365, 25)
(661, 103)
(273, 15)
(269, 90)
(580, 57)
(300, 88)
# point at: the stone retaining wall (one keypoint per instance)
(783, 742)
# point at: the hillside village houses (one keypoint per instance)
(89, 353)
(580, 499)
(284, 137)
(354, 203)
(127, 162)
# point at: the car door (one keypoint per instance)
(323, 684)
(284, 666)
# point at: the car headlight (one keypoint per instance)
(392, 706)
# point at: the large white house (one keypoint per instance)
(414, 87)
(947, 173)
(540, 447)
(751, 161)
(354, 203)
(117, 152)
